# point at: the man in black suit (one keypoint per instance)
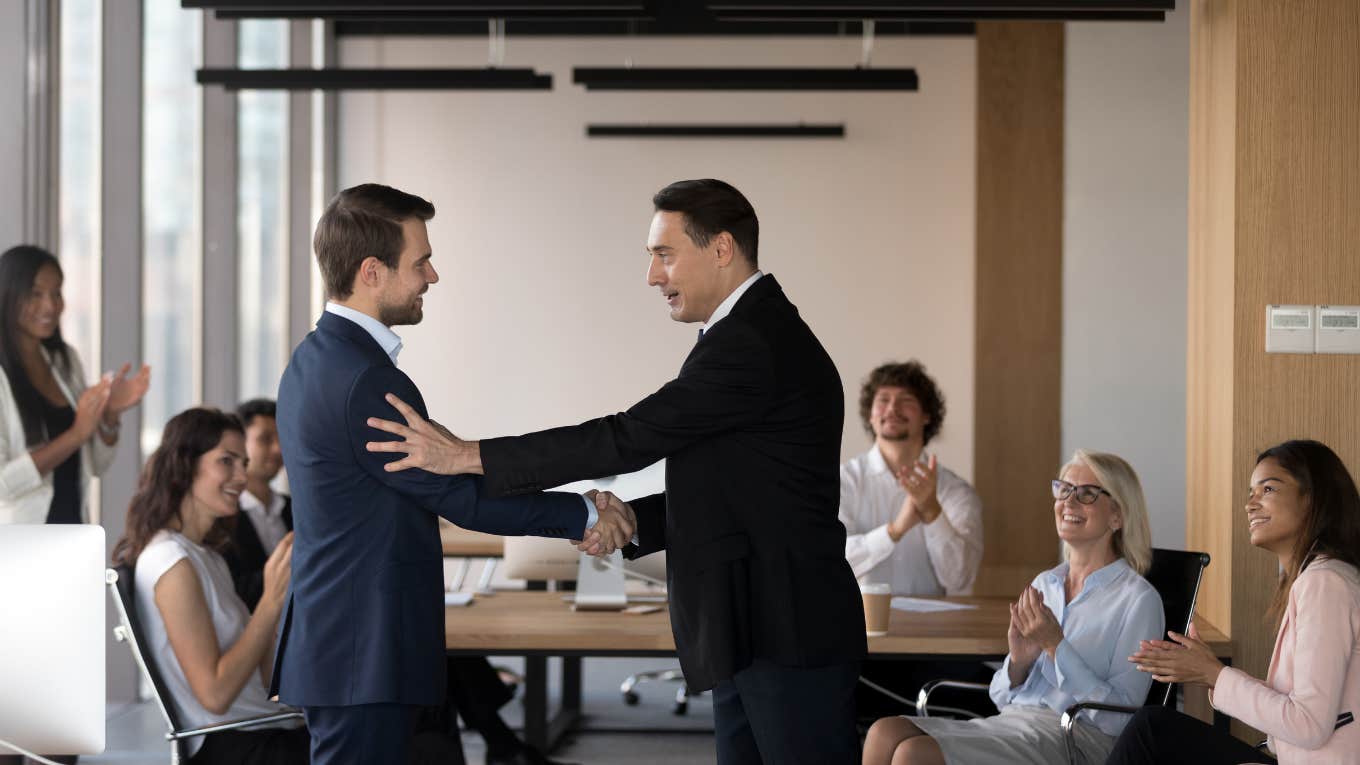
(266, 516)
(764, 607)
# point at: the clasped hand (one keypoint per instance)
(1186, 660)
(1034, 624)
(613, 529)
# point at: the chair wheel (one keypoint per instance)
(680, 708)
(630, 698)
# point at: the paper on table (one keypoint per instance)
(923, 606)
(457, 598)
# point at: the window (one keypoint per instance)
(262, 213)
(79, 156)
(171, 190)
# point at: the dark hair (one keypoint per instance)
(256, 407)
(169, 475)
(912, 376)
(711, 207)
(19, 267)
(362, 222)
(1331, 527)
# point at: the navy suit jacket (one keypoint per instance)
(364, 620)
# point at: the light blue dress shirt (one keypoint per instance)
(1102, 625)
(390, 342)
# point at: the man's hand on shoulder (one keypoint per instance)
(614, 528)
(426, 444)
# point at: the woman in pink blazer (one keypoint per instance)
(1303, 506)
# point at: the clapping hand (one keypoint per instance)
(1186, 660)
(426, 444)
(126, 392)
(1036, 622)
(612, 530)
(920, 480)
(1023, 651)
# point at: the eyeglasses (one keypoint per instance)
(1086, 493)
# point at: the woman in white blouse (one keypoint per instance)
(214, 655)
(1070, 636)
(55, 434)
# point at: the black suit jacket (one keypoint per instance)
(751, 429)
(246, 556)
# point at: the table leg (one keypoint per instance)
(536, 702)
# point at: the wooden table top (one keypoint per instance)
(511, 622)
(461, 543)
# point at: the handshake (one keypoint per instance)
(615, 527)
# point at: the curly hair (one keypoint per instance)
(912, 376)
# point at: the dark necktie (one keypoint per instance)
(701, 336)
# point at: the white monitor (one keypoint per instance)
(52, 644)
(535, 558)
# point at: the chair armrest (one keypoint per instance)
(923, 697)
(1069, 716)
(233, 725)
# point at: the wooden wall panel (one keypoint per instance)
(1296, 239)
(1017, 436)
(1209, 341)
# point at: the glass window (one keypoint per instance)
(78, 177)
(171, 192)
(262, 210)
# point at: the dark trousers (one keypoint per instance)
(19, 759)
(1161, 736)
(476, 693)
(769, 713)
(273, 746)
(363, 734)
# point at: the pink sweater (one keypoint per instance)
(1314, 672)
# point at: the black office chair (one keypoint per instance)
(1176, 575)
(128, 630)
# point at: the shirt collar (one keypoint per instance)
(1096, 579)
(385, 337)
(725, 307)
(249, 501)
(877, 463)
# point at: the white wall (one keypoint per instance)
(1125, 253)
(543, 317)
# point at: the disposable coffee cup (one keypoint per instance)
(877, 607)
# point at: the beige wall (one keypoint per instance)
(543, 317)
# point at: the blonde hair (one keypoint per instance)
(1133, 540)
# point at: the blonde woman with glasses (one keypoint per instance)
(1071, 633)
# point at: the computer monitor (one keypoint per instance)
(538, 559)
(52, 645)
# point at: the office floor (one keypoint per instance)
(615, 733)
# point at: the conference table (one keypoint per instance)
(537, 625)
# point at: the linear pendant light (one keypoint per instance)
(648, 130)
(744, 78)
(376, 79)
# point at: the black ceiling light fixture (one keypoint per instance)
(744, 78)
(648, 130)
(376, 79)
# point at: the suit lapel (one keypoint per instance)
(347, 330)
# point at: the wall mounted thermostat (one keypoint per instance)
(1337, 329)
(1289, 329)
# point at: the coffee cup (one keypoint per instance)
(877, 608)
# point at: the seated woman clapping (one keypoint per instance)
(1070, 636)
(1304, 507)
(214, 656)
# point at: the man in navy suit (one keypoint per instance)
(361, 647)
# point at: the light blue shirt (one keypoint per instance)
(1102, 625)
(391, 345)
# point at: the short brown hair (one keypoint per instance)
(912, 376)
(362, 222)
(711, 207)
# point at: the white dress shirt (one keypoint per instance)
(725, 307)
(391, 345)
(1102, 627)
(931, 559)
(268, 521)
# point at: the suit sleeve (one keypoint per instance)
(725, 384)
(651, 526)
(459, 499)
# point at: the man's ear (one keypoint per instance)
(370, 272)
(725, 247)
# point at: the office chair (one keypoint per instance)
(682, 694)
(128, 630)
(1176, 575)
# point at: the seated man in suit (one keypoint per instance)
(266, 515)
(361, 648)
